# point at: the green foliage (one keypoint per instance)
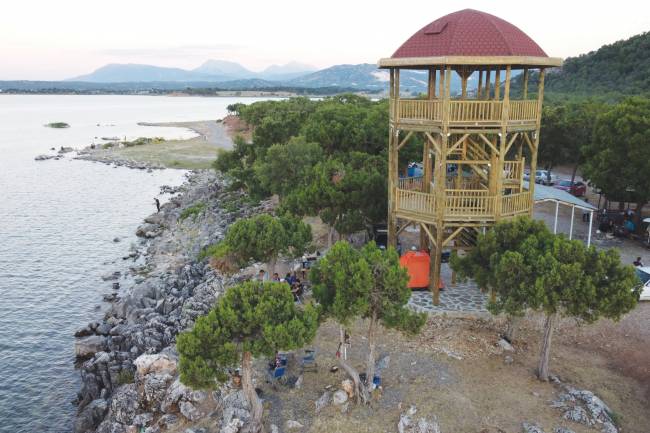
(264, 238)
(619, 157)
(528, 267)
(346, 193)
(218, 250)
(192, 211)
(255, 317)
(349, 283)
(125, 376)
(285, 166)
(143, 140)
(235, 108)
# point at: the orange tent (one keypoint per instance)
(417, 265)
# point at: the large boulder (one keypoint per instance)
(91, 416)
(125, 403)
(189, 411)
(154, 389)
(408, 424)
(157, 363)
(175, 393)
(87, 346)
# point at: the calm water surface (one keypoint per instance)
(57, 224)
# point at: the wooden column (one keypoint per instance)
(487, 84)
(431, 85)
(497, 84)
(426, 182)
(392, 162)
(440, 174)
(525, 90)
(503, 143)
(479, 88)
(533, 159)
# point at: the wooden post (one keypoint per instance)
(392, 164)
(533, 159)
(525, 91)
(497, 84)
(463, 83)
(479, 88)
(440, 174)
(503, 143)
(431, 84)
(426, 182)
(487, 83)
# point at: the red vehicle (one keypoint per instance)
(576, 188)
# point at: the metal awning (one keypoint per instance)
(548, 193)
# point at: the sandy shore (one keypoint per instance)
(194, 153)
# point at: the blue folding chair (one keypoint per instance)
(309, 360)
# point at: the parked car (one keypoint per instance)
(541, 176)
(576, 188)
(644, 275)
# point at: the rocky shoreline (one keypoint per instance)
(128, 361)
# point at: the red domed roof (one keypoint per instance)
(469, 33)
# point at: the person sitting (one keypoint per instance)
(276, 277)
(638, 263)
(261, 276)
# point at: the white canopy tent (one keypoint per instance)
(545, 193)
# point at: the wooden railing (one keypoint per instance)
(523, 110)
(469, 204)
(419, 109)
(475, 111)
(515, 203)
(415, 202)
(512, 170)
(410, 183)
(462, 111)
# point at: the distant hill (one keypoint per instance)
(224, 68)
(135, 73)
(612, 71)
(366, 76)
(623, 67)
(210, 71)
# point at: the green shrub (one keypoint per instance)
(217, 251)
(125, 376)
(192, 211)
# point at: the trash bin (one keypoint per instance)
(417, 265)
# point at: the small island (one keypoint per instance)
(57, 125)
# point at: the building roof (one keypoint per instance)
(548, 193)
(469, 33)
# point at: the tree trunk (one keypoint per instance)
(360, 391)
(511, 328)
(272, 264)
(255, 425)
(638, 216)
(330, 237)
(545, 354)
(370, 362)
(573, 174)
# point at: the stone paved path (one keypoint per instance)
(461, 297)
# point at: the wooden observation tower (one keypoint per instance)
(474, 138)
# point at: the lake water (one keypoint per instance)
(57, 224)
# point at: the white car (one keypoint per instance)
(644, 275)
(541, 176)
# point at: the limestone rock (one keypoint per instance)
(505, 345)
(91, 416)
(340, 397)
(157, 363)
(531, 428)
(88, 346)
(233, 426)
(189, 411)
(323, 401)
(348, 387)
(125, 403)
(292, 425)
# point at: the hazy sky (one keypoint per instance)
(57, 39)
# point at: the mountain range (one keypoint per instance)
(230, 75)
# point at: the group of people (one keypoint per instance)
(297, 287)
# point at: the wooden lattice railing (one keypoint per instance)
(463, 111)
(471, 204)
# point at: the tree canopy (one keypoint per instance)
(367, 283)
(528, 267)
(264, 237)
(619, 157)
(250, 319)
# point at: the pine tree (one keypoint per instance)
(528, 267)
(251, 319)
(371, 284)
